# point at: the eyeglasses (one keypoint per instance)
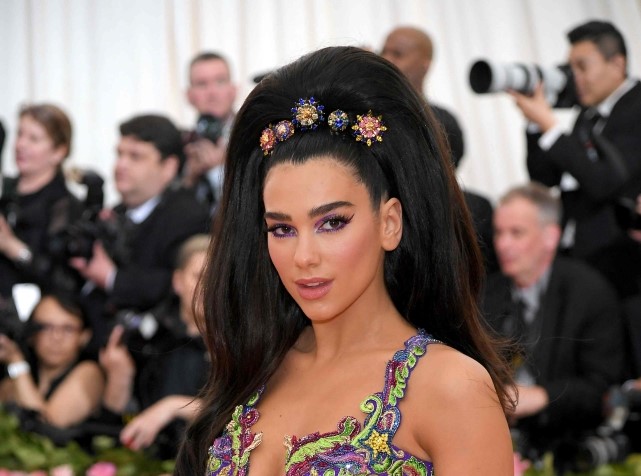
(64, 330)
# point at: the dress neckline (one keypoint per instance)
(365, 445)
(350, 423)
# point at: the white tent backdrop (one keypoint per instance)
(104, 61)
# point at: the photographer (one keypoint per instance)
(36, 205)
(599, 161)
(155, 219)
(212, 93)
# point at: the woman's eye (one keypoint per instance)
(334, 223)
(281, 231)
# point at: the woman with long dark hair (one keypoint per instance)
(341, 298)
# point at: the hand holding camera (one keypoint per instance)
(204, 148)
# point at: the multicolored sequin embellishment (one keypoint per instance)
(350, 450)
(309, 114)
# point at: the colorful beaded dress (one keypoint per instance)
(350, 450)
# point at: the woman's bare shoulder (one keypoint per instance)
(445, 373)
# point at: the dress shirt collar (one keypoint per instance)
(141, 212)
(605, 107)
(531, 296)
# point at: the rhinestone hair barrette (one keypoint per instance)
(308, 114)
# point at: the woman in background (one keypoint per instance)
(53, 379)
(36, 205)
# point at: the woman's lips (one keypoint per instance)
(312, 289)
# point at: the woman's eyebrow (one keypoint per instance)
(313, 213)
(328, 207)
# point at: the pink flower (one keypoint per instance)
(102, 468)
(38, 473)
(64, 470)
(520, 465)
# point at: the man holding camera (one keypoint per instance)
(212, 93)
(599, 162)
(155, 218)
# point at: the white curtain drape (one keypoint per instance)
(104, 61)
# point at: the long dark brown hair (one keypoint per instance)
(433, 277)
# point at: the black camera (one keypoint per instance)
(77, 239)
(612, 442)
(558, 82)
(207, 127)
(134, 323)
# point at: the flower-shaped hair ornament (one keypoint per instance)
(284, 130)
(369, 128)
(267, 140)
(338, 121)
(307, 114)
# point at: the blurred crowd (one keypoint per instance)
(98, 311)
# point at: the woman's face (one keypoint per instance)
(61, 336)
(325, 240)
(186, 279)
(35, 151)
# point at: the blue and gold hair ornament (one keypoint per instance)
(307, 115)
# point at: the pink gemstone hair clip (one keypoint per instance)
(369, 128)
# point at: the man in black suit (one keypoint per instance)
(564, 316)
(599, 162)
(154, 218)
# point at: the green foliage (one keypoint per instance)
(631, 467)
(25, 451)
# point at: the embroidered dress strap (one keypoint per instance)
(381, 409)
(401, 366)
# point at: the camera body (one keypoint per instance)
(78, 238)
(558, 82)
(207, 127)
(612, 442)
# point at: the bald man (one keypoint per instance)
(411, 50)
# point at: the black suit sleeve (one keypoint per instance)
(591, 350)
(452, 131)
(618, 146)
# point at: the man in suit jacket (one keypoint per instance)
(155, 218)
(600, 160)
(564, 316)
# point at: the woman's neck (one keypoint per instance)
(31, 183)
(354, 331)
(47, 374)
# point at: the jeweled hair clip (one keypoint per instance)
(308, 114)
